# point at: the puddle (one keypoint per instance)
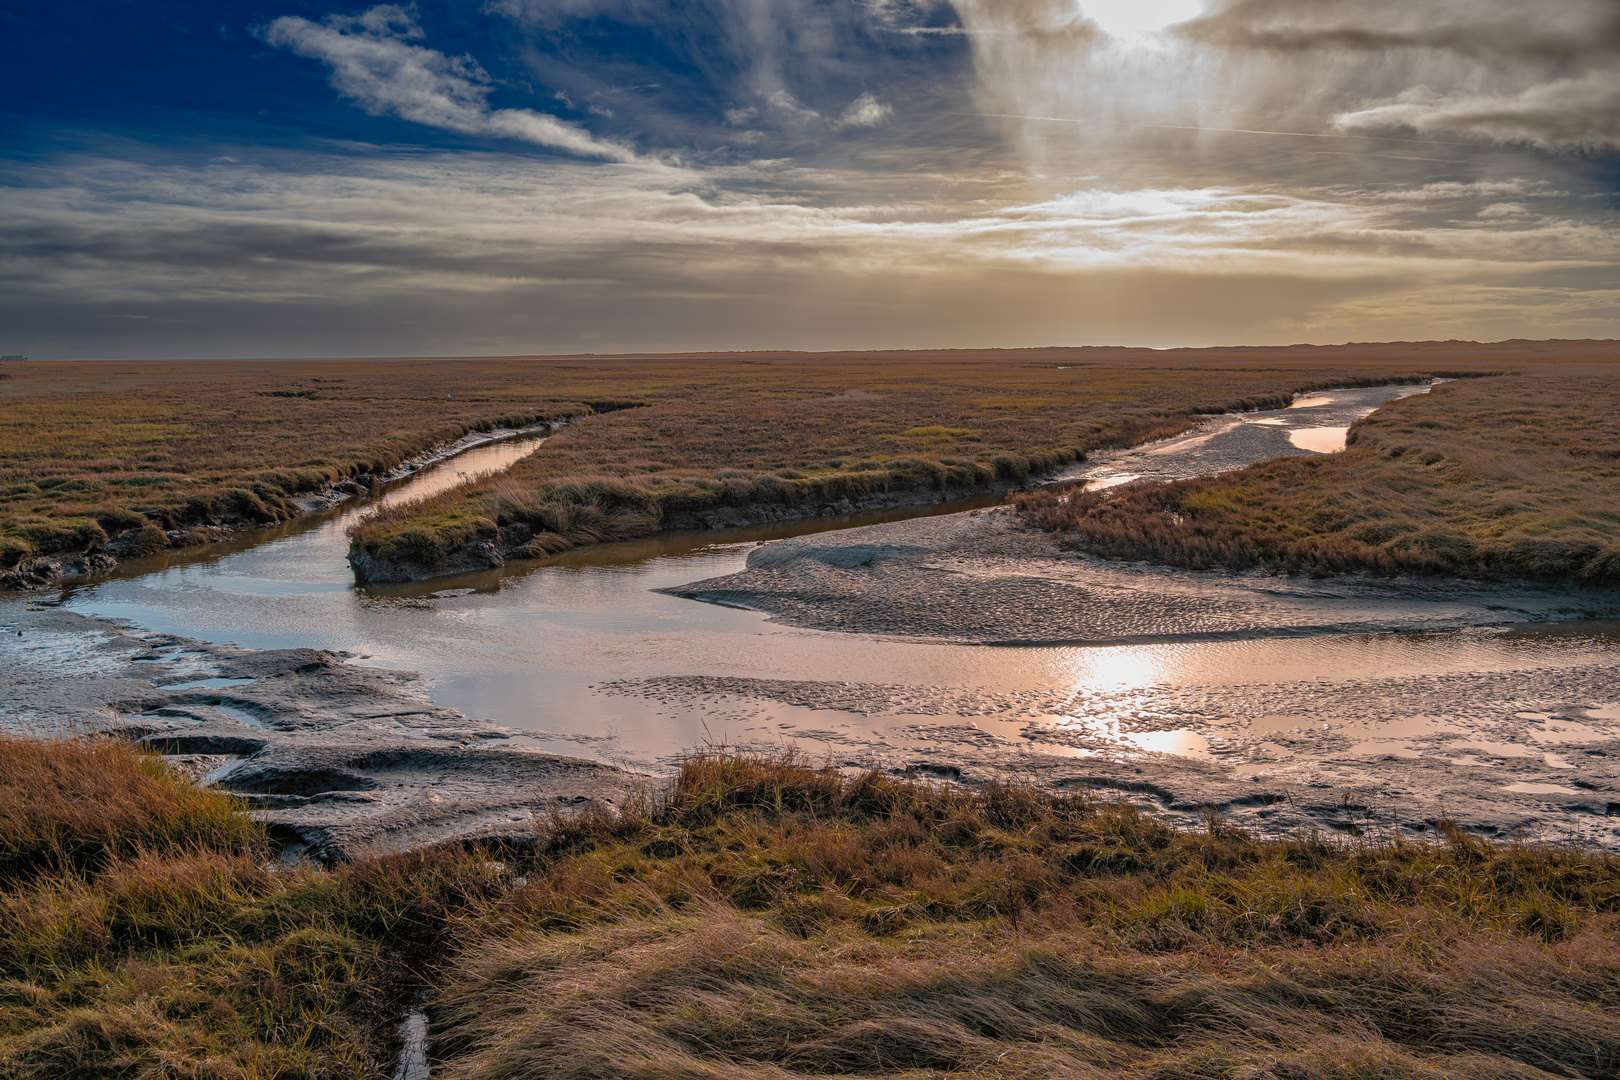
(1556, 729)
(1523, 788)
(413, 1034)
(1103, 483)
(1183, 743)
(1311, 402)
(1323, 440)
(241, 716)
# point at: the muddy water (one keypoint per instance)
(583, 655)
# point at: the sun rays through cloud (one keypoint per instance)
(518, 175)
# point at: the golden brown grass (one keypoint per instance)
(1513, 477)
(89, 450)
(143, 933)
(817, 429)
(70, 806)
(766, 919)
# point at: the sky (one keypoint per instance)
(490, 177)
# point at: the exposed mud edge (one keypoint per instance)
(51, 571)
(513, 545)
(341, 760)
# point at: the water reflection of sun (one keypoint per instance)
(1108, 686)
(1117, 666)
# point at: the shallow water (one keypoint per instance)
(583, 655)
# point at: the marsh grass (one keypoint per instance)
(760, 917)
(816, 430)
(1509, 477)
(88, 451)
(92, 450)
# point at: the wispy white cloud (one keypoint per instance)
(865, 111)
(786, 105)
(374, 63)
(1498, 29)
(1580, 113)
(457, 252)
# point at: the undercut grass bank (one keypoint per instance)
(762, 918)
(1510, 477)
(801, 439)
(90, 451)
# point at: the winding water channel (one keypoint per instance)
(583, 655)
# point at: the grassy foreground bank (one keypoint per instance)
(764, 919)
(1509, 477)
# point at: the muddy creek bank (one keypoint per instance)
(593, 655)
(474, 454)
(1311, 425)
(341, 760)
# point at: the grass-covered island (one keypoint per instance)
(774, 438)
(1505, 477)
(760, 918)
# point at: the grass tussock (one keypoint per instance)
(1506, 477)
(144, 934)
(763, 918)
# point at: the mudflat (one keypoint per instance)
(339, 759)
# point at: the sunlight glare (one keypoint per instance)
(1137, 21)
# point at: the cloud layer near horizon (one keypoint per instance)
(889, 174)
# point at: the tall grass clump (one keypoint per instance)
(144, 931)
(79, 806)
(761, 917)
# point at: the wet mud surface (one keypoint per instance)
(983, 578)
(340, 759)
(1529, 754)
